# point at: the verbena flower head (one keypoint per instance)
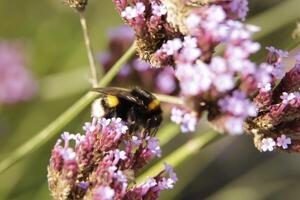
(161, 80)
(16, 81)
(237, 94)
(102, 164)
(276, 124)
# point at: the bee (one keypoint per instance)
(138, 107)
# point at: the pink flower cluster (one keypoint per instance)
(16, 82)
(162, 80)
(238, 94)
(101, 165)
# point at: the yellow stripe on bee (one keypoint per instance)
(153, 104)
(112, 101)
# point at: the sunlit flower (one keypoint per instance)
(267, 144)
(283, 141)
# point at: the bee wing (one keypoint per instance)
(119, 92)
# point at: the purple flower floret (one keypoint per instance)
(268, 144)
(283, 141)
(186, 120)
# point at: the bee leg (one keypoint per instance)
(112, 112)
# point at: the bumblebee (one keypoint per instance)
(138, 107)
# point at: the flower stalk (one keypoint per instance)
(89, 49)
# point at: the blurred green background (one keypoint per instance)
(230, 168)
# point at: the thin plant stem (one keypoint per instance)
(181, 154)
(53, 128)
(89, 50)
(169, 99)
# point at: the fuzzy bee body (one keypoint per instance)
(138, 107)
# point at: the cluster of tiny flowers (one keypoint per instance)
(213, 79)
(277, 121)
(268, 144)
(148, 18)
(16, 82)
(238, 94)
(161, 80)
(102, 163)
(186, 120)
(239, 107)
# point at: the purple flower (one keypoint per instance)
(99, 164)
(193, 21)
(224, 82)
(132, 12)
(276, 56)
(166, 81)
(286, 97)
(263, 74)
(16, 82)
(84, 185)
(215, 14)
(103, 193)
(158, 10)
(140, 65)
(177, 115)
(153, 146)
(129, 13)
(283, 141)
(194, 79)
(140, 8)
(172, 46)
(267, 144)
(240, 7)
(169, 169)
(234, 126)
(136, 141)
(238, 105)
(187, 121)
(121, 33)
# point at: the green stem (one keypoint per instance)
(167, 133)
(169, 99)
(266, 19)
(89, 50)
(116, 68)
(51, 130)
(181, 154)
